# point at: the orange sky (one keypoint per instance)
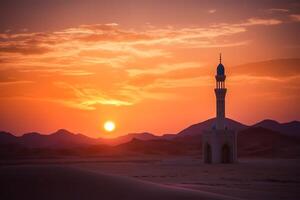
(147, 65)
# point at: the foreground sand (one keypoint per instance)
(51, 182)
(249, 179)
(150, 178)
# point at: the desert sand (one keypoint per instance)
(149, 177)
(62, 182)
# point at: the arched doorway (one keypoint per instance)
(225, 154)
(207, 153)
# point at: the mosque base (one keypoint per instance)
(219, 146)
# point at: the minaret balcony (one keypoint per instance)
(220, 78)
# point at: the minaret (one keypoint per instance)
(220, 92)
(220, 143)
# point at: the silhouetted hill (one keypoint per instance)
(63, 137)
(60, 139)
(197, 129)
(7, 138)
(129, 137)
(259, 141)
(290, 128)
(266, 138)
(252, 141)
(158, 146)
(168, 136)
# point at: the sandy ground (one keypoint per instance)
(157, 178)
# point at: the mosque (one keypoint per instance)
(220, 143)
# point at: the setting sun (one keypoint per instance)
(109, 126)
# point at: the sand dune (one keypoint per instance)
(52, 182)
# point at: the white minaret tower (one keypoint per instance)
(219, 143)
(220, 92)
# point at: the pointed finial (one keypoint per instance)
(220, 57)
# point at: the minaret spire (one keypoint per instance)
(220, 92)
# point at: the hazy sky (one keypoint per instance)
(147, 65)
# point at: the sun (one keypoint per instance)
(109, 126)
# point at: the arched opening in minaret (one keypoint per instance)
(225, 153)
(207, 153)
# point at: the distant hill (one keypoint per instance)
(252, 142)
(267, 138)
(197, 129)
(186, 145)
(129, 137)
(259, 141)
(60, 139)
(6, 137)
(290, 128)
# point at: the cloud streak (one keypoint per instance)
(105, 64)
(295, 17)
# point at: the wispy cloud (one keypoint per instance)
(163, 68)
(212, 11)
(4, 83)
(277, 10)
(260, 21)
(103, 64)
(88, 98)
(295, 17)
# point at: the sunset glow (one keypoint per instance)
(109, 126)
(149, 65)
